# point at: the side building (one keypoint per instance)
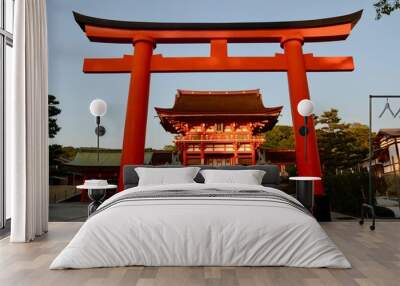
(386, 155)
(84, 165)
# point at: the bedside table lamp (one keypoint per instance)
(305, 109)
(98, 108)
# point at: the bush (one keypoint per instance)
(348, 191)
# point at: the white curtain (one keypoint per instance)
(27, 123)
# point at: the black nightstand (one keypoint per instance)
(96, 194)
(305, 190)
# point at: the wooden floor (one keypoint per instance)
(375, 257)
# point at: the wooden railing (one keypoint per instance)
(221, 137)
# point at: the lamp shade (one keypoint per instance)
(98, 107)
(305, 107)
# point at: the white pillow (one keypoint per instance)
(248, 177)
(166, 176)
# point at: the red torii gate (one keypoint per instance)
(145, 35)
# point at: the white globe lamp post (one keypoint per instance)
(305, 108)
(98, 108)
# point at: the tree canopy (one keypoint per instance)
(53, 112)
(281, 136)
(386, 7)
(341, 145)
(170, 147)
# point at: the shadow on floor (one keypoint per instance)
(73, 211)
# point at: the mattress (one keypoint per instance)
(201, 225)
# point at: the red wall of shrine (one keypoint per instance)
(219, 144)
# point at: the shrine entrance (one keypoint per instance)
(144, 36)
(222, 160)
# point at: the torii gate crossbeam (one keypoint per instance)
(144, 36)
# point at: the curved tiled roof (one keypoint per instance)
(83, 20)
(218, 106)
(218, 103)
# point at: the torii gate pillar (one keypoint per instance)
(298, 90)
(137, 106)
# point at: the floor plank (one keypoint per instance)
(375, 257)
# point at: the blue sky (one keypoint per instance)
(375, 46)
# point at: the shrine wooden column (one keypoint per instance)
(235, 152)
(202, 146)
(298, 90)
(184, 154)
(202, 155)
(137, 106)
(253, 153)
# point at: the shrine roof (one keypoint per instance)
(196, 107)
(84, 20)
(213, 103)
(389, 132)
(280, 155)
(385, 134)
(87, 157)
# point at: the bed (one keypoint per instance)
(198, 224)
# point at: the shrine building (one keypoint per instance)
(218, 127)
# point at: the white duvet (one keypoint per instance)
(193, 231)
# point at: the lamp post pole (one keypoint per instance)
(98, 138)
(305, 138)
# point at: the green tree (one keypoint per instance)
(58, 155)
(53, 112)
(386, 7)
(170, 148)
(69, 152)
(341, 145)
(281, 136)
(55, 152)
(361, 133)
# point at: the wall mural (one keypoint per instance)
(95, 58)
